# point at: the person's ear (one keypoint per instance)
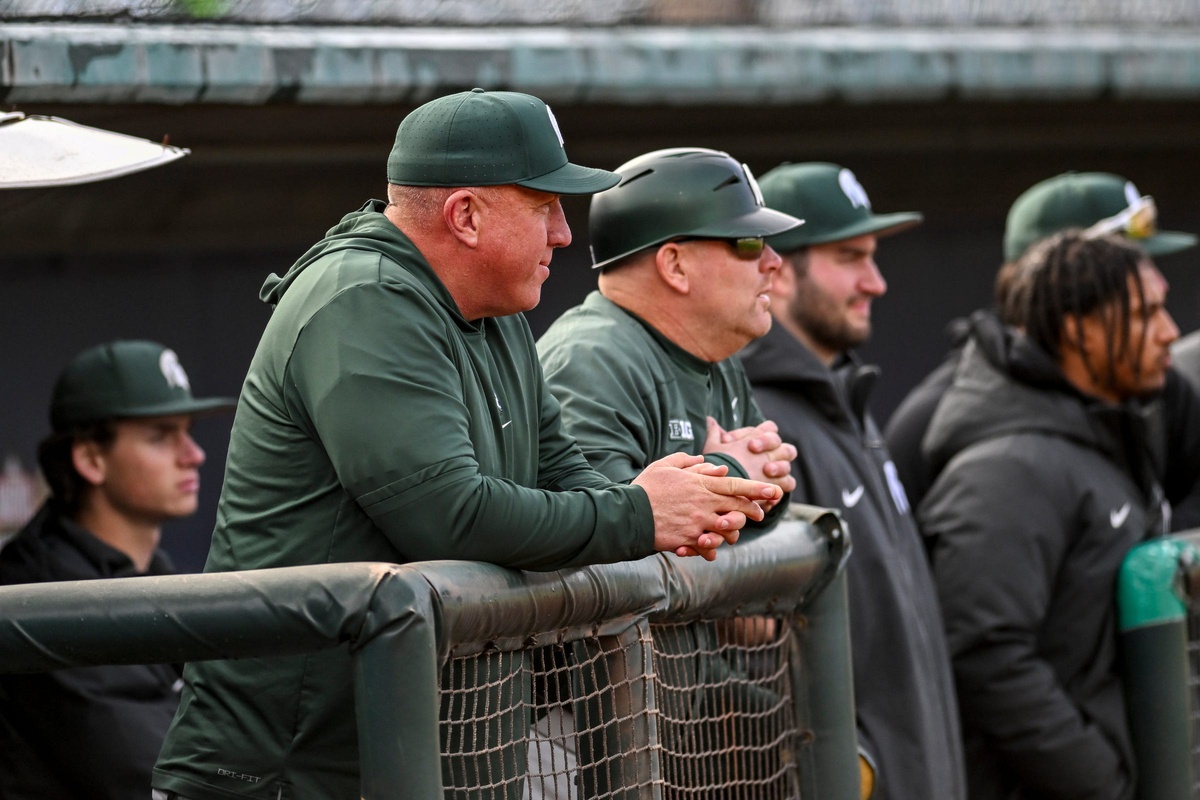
(673, 265)
(1071, 328)
(463, 214)
(89, 461)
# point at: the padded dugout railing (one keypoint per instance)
(1158, 601)
(467, 630)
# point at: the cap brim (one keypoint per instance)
(207, 405)
(878, 224)
(1164, 243)
(573, 179)
(761, 221)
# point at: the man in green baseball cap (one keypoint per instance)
(970, 419)
(395, 411)
(807, 378)
(120, 462)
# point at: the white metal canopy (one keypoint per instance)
(37, 151)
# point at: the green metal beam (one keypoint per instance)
(207, 63)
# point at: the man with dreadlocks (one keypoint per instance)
(1068, 200)
(1047, 486)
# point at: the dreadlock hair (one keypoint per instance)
(67, 486)
(1072, 275)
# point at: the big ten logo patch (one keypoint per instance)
(680, 430)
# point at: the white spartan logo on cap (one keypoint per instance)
(172, 370)
(554, 123)
(853, 190)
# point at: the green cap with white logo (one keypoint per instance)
(123, 380)
(832, 202)
(481, 138)
(1084, 200)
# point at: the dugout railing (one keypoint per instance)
(1158, 603)
(660, 678)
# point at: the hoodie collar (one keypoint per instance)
(693, 365)
(839, 392)
(1006, 384)
(368, 229)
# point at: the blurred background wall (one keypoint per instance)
(949, 107)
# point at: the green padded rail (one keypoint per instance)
(402, 622)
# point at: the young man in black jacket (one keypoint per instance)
(1046, 479)
(807, 380)
(1072, 199)
(120, 462)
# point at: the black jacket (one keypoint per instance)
(1177, 453)
(88, 733)
(1041, 493)
(907, 717)
(906, 428)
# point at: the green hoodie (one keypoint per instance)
(631, 396)
(376, 424)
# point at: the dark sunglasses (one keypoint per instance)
(748, 248)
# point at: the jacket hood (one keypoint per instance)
(1006, 384)
(365, 229)
(781, 361)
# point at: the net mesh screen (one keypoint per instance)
(698, 710)
(886, 13)
(726, 712)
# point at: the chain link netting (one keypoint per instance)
(688, 711)
(774, 13)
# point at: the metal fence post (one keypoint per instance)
(831, 740)
(1153, 625)
(823, 670)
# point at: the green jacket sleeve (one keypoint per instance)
(609, 404)
(401, 420)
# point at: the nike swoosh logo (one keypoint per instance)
(1117, 516)
(850, 499)
(505, 425)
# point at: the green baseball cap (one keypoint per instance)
(481, 138)
(1081, 200)
(833, 203)
(681, 191)
(122, 380)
